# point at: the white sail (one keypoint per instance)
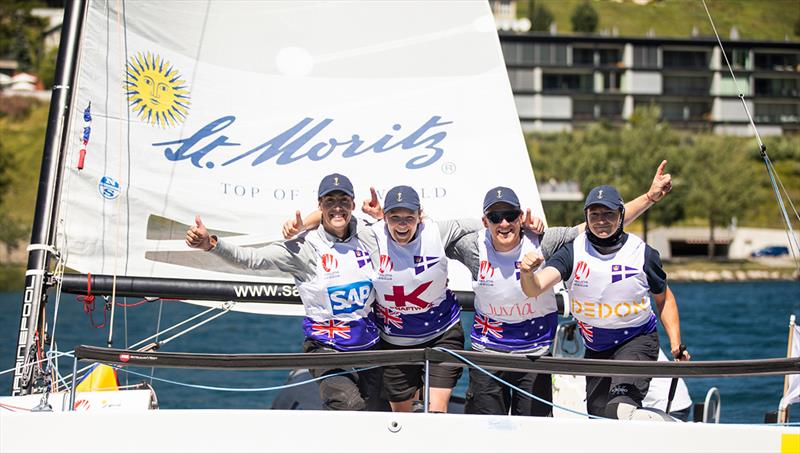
(235, 110)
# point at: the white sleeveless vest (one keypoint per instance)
(505, 318)
(338, 301)
(413, 304)
(610, 293)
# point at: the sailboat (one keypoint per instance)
(235, 109)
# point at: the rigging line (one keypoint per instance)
(228, 307)
(58, 272)
(143, 341)
(789, 230)
(514, 387)
(245, 390)
(786, 192)
(762, 147)
(36, 362)
(735, 83)
(158, 327)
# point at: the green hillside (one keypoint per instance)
(754, 19)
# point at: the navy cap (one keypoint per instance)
(606, 196)
(401, 197)
(500, 195)
(334, 182)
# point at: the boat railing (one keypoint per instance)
(427, 356)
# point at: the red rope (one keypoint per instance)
(88, 304)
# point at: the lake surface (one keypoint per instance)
(719, 321)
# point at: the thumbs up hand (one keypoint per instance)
(197, 236)
(293, 226)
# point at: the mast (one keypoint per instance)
(34, 298)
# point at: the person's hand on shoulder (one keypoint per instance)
(532, 223)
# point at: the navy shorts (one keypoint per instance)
(602, 391)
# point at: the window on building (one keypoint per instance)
(551, 54)
(687, 85)
(610, 109)
(610, 57)
(776, 87)
(512, 52)
(776, 61)
(568, 82)
(727, 87)
(739, 58)
(582, 56)
(645, 56)
(777, 113)
(685, 59)
(685, 111)
(521, 79)
(611, 81)
(593, 109)
(583, 110)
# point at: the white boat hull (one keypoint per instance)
(274, 430)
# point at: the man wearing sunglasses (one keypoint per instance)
(506, 319)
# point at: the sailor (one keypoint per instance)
(414, 308)
(332, 268)
(506, 320)
(609, 274)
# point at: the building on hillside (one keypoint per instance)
(560, 82)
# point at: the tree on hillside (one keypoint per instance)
(540, 16)
(722, 182)
(642, 147)
(584, 18)
(21, 33)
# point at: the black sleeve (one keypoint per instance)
(562, 260)
(656, 277)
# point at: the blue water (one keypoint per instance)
(719, 321)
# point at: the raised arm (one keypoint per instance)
(668, 312)
(535, 283)
(659, 188)
(662, 184)
(275, 255)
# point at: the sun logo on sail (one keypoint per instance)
(156, 92)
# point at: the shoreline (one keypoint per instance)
(691, 276)
(12, 276)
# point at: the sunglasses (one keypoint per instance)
(499, 216)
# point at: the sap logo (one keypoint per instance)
(108, 187)
(581, 270)
(349, 298)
